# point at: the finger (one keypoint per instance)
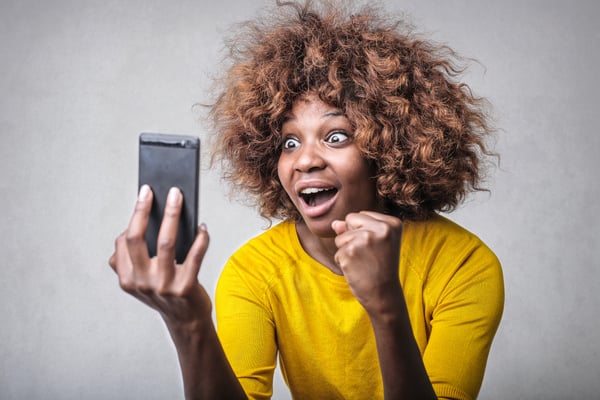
(136, 241)
(196, 255)
(122, 264)
(339, 227)
(389, 221)
(344, 238)
(381, 217)
(356, 224)
(112, 261)
(346, 230)
(370, 220)
(347, 236)
(358, 220)
(167, 234)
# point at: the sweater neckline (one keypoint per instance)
(316, 268)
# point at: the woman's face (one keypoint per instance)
(321, 168)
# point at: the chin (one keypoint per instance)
(320, 229)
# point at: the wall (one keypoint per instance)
(81, 79)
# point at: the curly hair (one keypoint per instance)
(424, 132)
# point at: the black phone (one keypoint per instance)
(167, 161)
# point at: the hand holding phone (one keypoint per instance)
(167, 161)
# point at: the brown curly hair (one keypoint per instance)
(424, 132)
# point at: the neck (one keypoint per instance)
(322, 249)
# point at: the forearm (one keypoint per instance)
(402, 369)
(205, 370)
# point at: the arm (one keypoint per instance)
(464, 308)
(368, 254)
(174, 291)
(246, 326)
(205, 369)
(402, 368)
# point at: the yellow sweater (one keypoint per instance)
(273, 297)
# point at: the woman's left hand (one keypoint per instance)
(368, 255)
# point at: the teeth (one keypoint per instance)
(313, 190)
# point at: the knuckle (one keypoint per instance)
(394, 225)
(126, 284)
(386, 230)
(350, 217)
(352, 250)
(119, 240)
(165, 243)
(171, 212)
(141, 206)
(112, 261)
(133, 238)
(178, 292)
(338, 259)
(164, 291)
(182, 290)
(145, 289)
(363, 238)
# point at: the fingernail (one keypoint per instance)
(174, 194)
(202, 227)
(144, 192)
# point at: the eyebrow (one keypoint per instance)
(335, 113)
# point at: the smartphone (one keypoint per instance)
(167, 161)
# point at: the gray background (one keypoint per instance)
(80, 79)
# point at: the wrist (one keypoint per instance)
(189, 331)
(389, 308)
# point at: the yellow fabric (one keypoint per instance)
(273, 297)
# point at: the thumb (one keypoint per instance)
(339, 227)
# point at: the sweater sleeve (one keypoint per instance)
(464, 318)
(247, 332)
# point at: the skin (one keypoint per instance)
(349, 234)
(174, 291)
(318, 152)
(368, 255)
(353, 238)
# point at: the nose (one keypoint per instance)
(309, 157)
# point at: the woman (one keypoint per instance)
(356, 134)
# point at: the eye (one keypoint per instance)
(337, 137)
(290, 143)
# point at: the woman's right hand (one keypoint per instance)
(174, 291)
(171, 289)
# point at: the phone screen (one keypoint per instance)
(167, 161)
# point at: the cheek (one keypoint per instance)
(283, 173)
(363, 182)
(359, 169)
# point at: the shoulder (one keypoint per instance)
(261, 258)
(454, 289)
(439, 250)
(441, 237)
(277, 243)
(438, 228)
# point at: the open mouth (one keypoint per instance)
(316, 196)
